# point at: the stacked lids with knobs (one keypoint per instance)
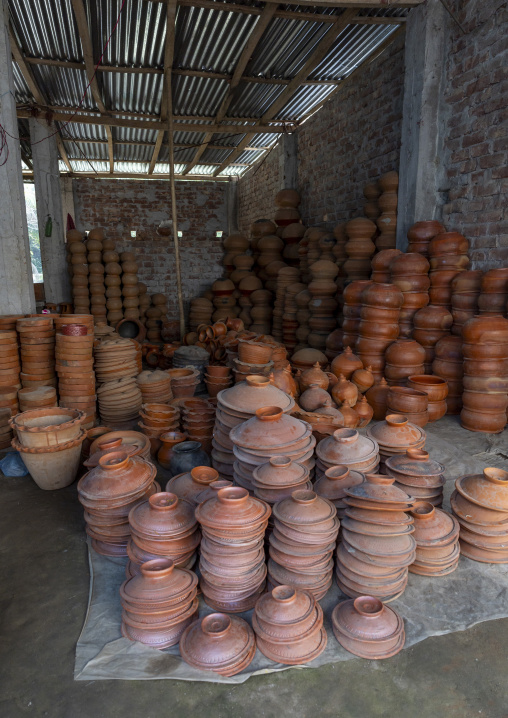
(437, 541)
(359, 248)
(116, 369)
(37, 341)
(377, 546)
(409, 272)
(480, 503)
(448, 257)
(421, 233)
(367, 628)
(431, 324)
(465, 293)
(448, 364)
(278, 478)
(395, 435)
(322, 306)
(96, 270)
(74, 364)
(346, 447)
(387, 203)
(333, 484)
(485, 397)
(417, 474)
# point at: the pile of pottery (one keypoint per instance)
(351, 311)
(387, 203)
(448, 364)
(418, 475)
(261, 311)
(103, 441)
(159, 603)
(493, 292)
(232, 562)
(130, 291)
(12, 398)
(290, 323)
(193, 484)
(287, 201)
(346, 447)
(37, 345)
(448, 256)
(465, 294)
(421, 233)
(480, 503)
(278, 478)
(380, 265)
(162, 527)
(302, 543)
(403, 358)
(183, 382)
(410, 402)
(291, 236)
(201, 310)
(322, 305)
(236, 405)
(377, 547)
(379, 326)
(285, 277)
(116, 370)
(409, 272)
(113, 291)
(333, 484)
(288, 624)
(157, 420)
(359, 248)
(78, 268)
(219, 643)
(235, 245)
(436, 389)
(431, 324)
(9, 357)
(302, 300)
(395, 435)
(254, 357)
(197, 421)
(436, 533)
(166, 441)
(144, 301)
(96, 278)
(75, 367)
(155, 386)
(371, 193)
(224, 300)
(108, 492)
(217, 378)
(367, 628)
(192, 357)
(485, 397)
(49, 441)
(266, 434)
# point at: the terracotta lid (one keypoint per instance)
(366, 619)
(433, 525)
(232, 508)
(415, 462)
(217, 642)
(346, 446)
(189, 485)
(381, 546)
(252, 394)
(396, 431)
(284, 604)
(278, 472)
(212, 490)
(304, 507)
(337, 479)
(489, 490)
(379, 488)
(269, 428)
(158, 582)
(133, 438)
(116, 476)
(107, 447)
(164, 515)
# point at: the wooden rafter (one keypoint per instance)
(86, 44)
(178, 145)
(135, 175)
(255, 36)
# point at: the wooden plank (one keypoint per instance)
(137, 176)
(63, 153)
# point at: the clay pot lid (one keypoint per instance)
(163, 515)
(252, 394)
(284, 605)
(117, 475)
(367, 619)
(379, 488)
(270, 428)
(396, 431)
(189, 485)
(232, 508)
(489, 490)
(130, 438)
(346, 446)
(304, 507)
(336, 480)
(159, 581)
(212, 490)
(386, 518)
(107, 447)
(279, 472)
(415, 462)
(217, 641)
(433, 525)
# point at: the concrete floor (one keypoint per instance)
(43, 597)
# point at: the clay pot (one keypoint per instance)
(313, 377)
(346, 364)
(448, 243)
(52, 467)
(401, 400)
(377, 397)
(367, 628)
(405, 352)
(169, 440)
(187, 455)
(434, 386)
(363, 379)
(364, 411)
(314, 397)
(220, 643)
(347, 447)
(409, 264)
(48, 427)
(344, 392)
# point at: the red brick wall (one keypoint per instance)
(124, 205)
(476, 137)
(257, 189)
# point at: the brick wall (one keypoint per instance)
(476, 136)
(124, 205)
(257, 189)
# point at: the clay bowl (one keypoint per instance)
(214, 371)
(404, 399)
(434, 386)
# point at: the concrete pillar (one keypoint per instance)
(289, 161)
(232, 205)
(16, 286)
(421, 171)
(48, 194)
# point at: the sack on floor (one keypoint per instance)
(12, 465)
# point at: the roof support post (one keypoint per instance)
(289, 161)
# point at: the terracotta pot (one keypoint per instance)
(43, 428)
(363, 379)
(448, 243)
(484, 402)
(367, 628)
(344, 392)
(377, 398)
(364, 411)
(434, 386)
(401, 400)
(52, 467)
(409, 264)
(169, 440)
(489, 423)
(375, 330)
(345, 364)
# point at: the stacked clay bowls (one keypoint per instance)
(411, 403)
(436, 389)
(418, 475)
(379, 324)
(74, 366)
(395, 435)
(437, 541)
(367, 628)
(346, 447)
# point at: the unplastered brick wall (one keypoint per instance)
(122, 206)
(476, 137)
(352, 140)
(257, 190)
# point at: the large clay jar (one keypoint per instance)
(403, 358)
(187, 455)
(314, 397)
(315, 376)
(448, 243)
(345, 392)
(377, 398)
(346, 364)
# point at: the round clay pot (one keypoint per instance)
(385, 296)
(448, 243)
(489, 423)
(434, 386)
(409, 264)
(405, 352)
(401, 400)
(433, 317)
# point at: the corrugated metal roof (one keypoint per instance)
(206, 41)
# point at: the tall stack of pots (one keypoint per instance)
(421, 233)
(403, 358)
(371, 193)
(114, 304)
(10, 367)
(322, 306)
(287, 201)
(431, 324)
(381, 265)
(351, 311)
(419, 475)
(116, 371)
(346, 447)
(448, 257)
(409, 272)
(96, 278)
(77, 256)
(285, 277)
(448, 364)
(437, 541)
(387, 203)
(493, 292)
(465, 294)
(37, 348)
(359, 248)
(395, 435)
(261, 311)
(75, 365)
(130, 290)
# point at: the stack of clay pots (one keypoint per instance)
(436, 533)
(302, 543)
(379, 325)
(236, 405)
(201, 310)
(224, 300)
(108, 492)
(290, 322)
(234, 245)
(269, 252)
(395, 435)
(260, 228)
(6, 433)
(157, 314)
(436, 389)
(116, 370)
(359, 248)
(75, 365)
(346, 447)
(322, 306)
(162, 527)
(351, 311)
(184, 382)
(197, 420)
(194, 357)
(77, 255)
(371, 193)
(10, 366)
(403, 358)
(302, 300)
(421, 233)
(155, 386)
(156, 421)
(287, 201)
(418, 475)
(40, 397)
(306, 358)
(413, 404)
(261, 311)
(448, 257)
(480, 503)
(113, 270)
(493, 293)
(96, 274)
(367, 628)
(465, 293)
(37, 342)
(377, 547)
(232, 562)
(448, 364)
(253, 358)
(49, 441)
(278, 478)
(130, 290)
(291, 236)
(288, 624)
(333, 484)
(191, 485)
(431, 324)
(159, 603)
(144, 301)
(285, 277)
(381, 265)
(266, 434)
(217, 378)
(133, 443)
(409, 272)
(485, 397)
(387, 203)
